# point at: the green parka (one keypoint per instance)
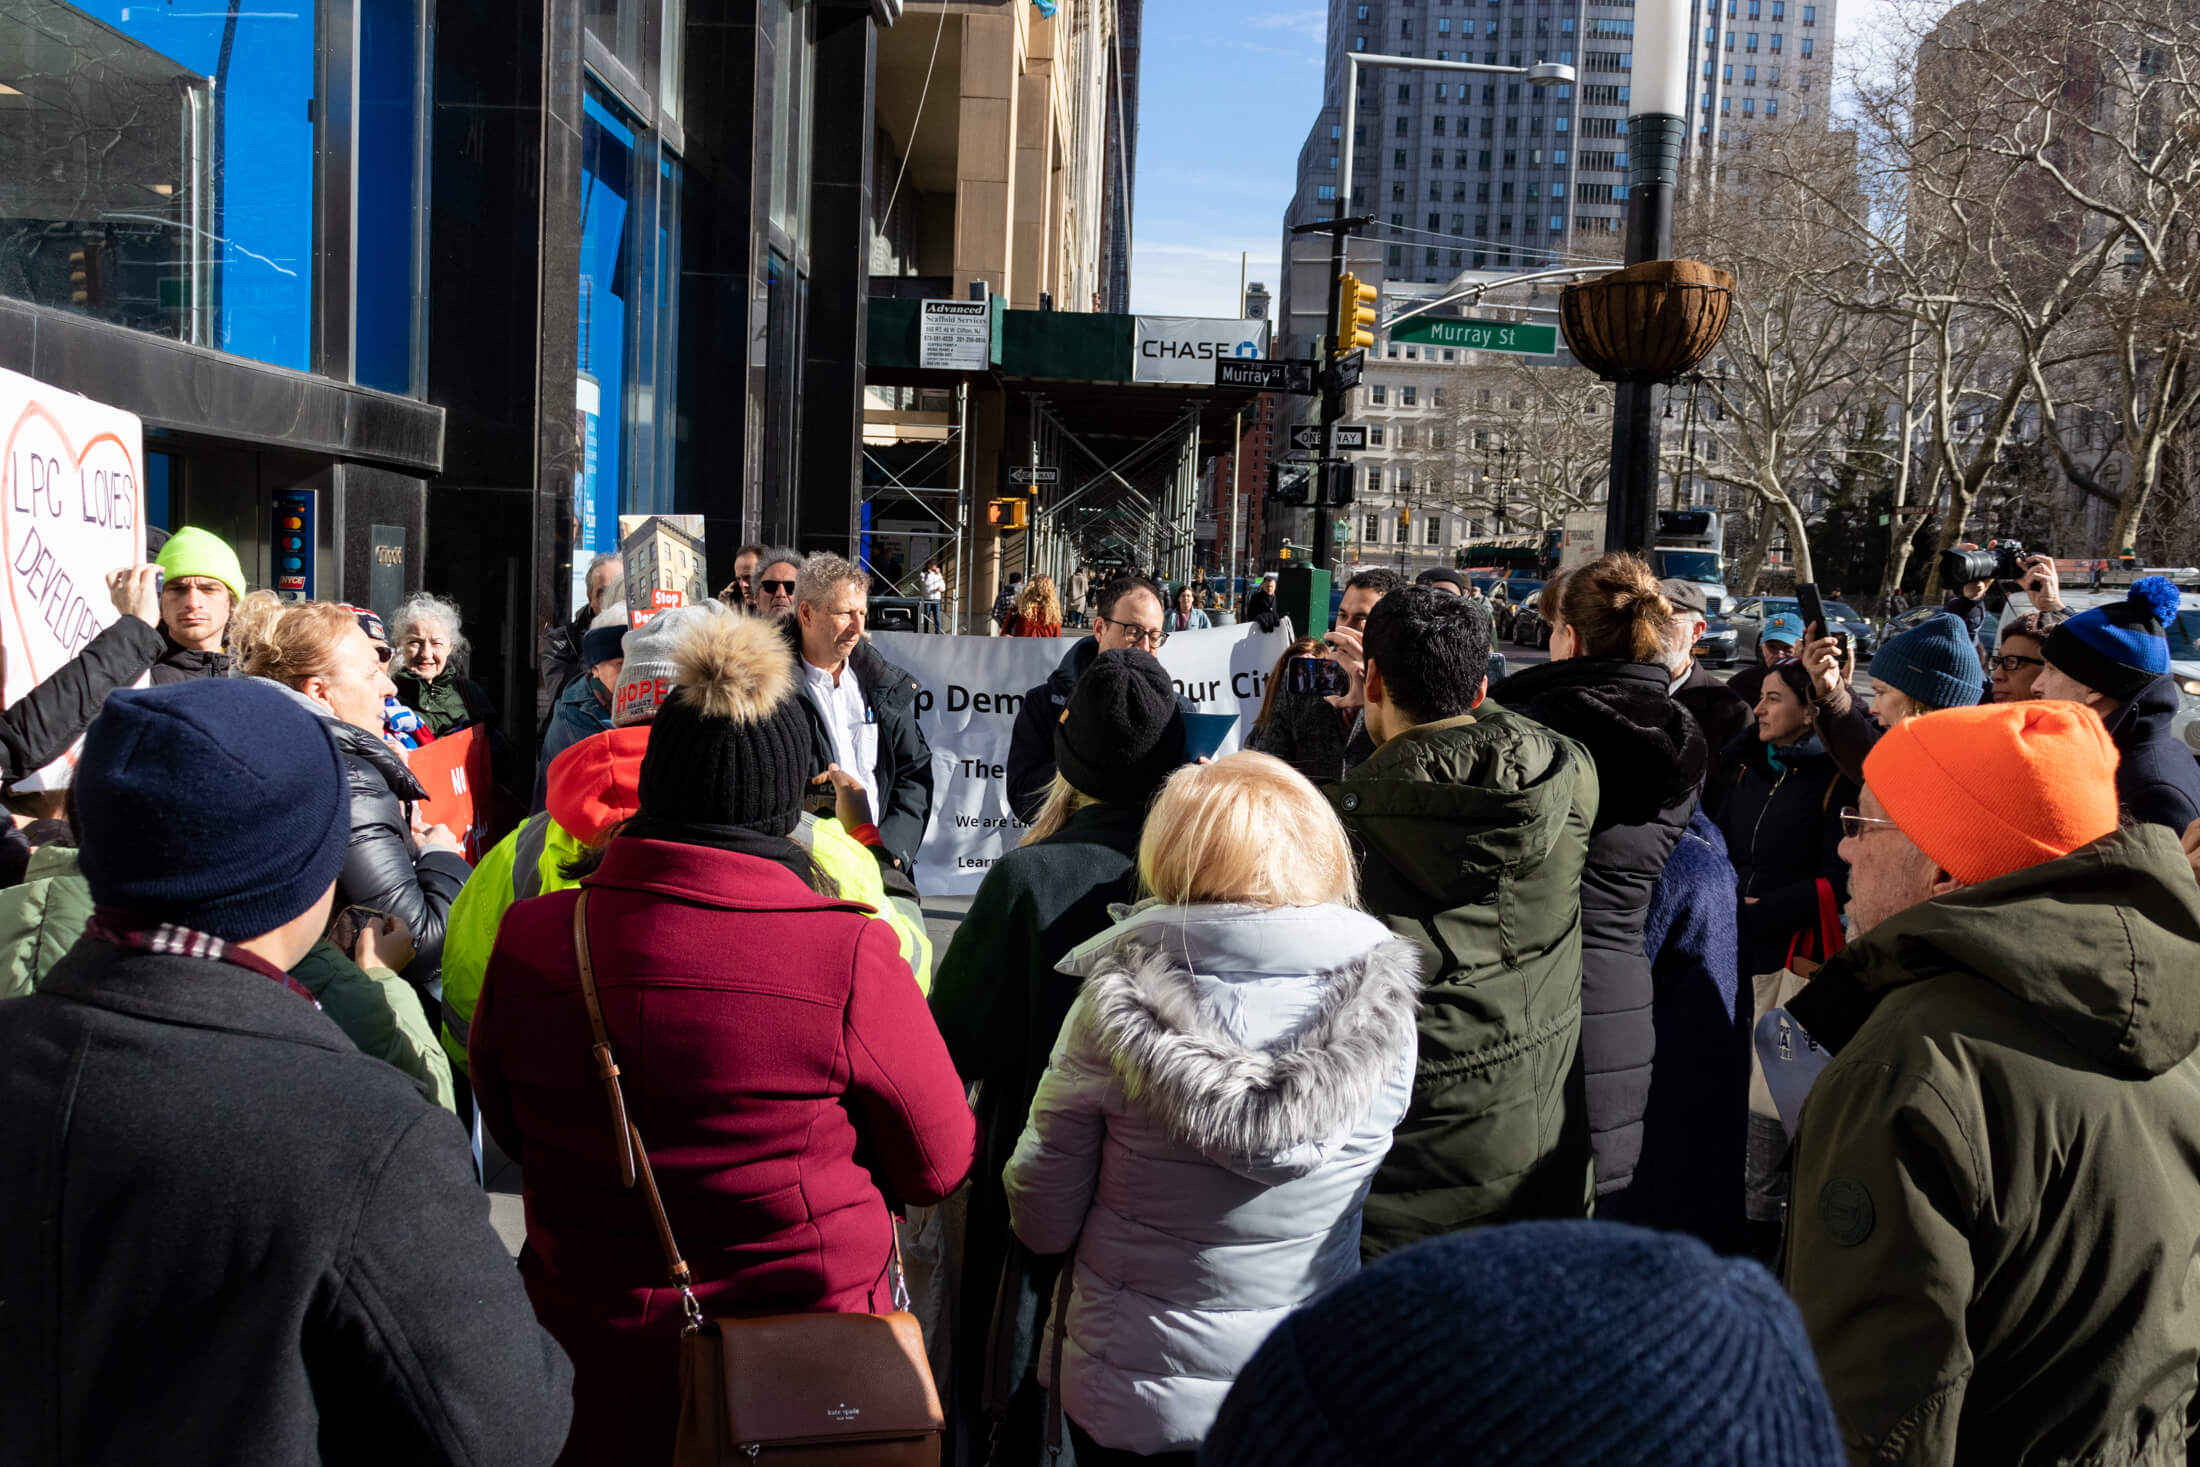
(1472, 833)
(1995, 1237)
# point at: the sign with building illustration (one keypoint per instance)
(1186, 348)
(664, 562)
(72, 509)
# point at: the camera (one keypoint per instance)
(2001, 560)
(1317, 677)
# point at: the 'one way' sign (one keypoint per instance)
(1308, 436)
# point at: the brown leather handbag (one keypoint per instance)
(809, 1390)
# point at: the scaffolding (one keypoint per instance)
(1138, 506)
(931, 475)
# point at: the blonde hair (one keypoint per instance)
(248, 624)
(299, 641)
(1040, 602)
(1063, 800)
(1247, 828)
(1614, 606)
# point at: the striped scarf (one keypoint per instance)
(113, 926)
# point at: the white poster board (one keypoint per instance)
(1185, 348)
(969, 690)
(72, 509)
(955, 336)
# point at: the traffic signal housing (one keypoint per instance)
(1289, 483)
(1355, 314)
(1341, 485)
(1009, 514)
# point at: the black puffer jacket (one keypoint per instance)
(384, 869)
(1650, 758)
(2157, 779)
(41, 724)
(181, 664)
(1782, 823)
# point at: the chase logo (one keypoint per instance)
(1247, 349)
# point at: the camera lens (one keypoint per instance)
(1960, 566)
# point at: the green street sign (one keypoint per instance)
(1342, 534)
(1457, 331)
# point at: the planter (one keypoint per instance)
(1649, 322)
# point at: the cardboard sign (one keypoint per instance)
(455, 772)
(72, 509)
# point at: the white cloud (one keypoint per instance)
(1169, 279)
(1312, 24)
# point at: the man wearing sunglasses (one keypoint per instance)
(1994, 1210)
(775, 581)
(1130, 616)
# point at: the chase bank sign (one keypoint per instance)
(1186, 348)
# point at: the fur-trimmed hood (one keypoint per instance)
(1260, 1037)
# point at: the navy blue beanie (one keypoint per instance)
(1537, 1345)
(219, 804)
(1935, 662)
(2119, 648)
(602, 644)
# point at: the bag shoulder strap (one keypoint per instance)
(626, 1141)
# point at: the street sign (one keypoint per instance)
(1265, 376)
(1350, 439)
(1343, 532)
(1468, 335)
(1345, 376)
(1034, 476)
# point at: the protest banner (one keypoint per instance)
(969, 691)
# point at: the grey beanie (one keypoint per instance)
(647, 678)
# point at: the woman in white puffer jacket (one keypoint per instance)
(1220, 1096)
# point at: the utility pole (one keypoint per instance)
(1656, 127)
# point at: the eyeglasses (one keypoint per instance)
(1137, 636)
(382, 652)
(786, 586)
(2008, 663)
(1855, 825)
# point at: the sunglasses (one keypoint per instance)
(2008, 663)
(786, 586)
(382, 652)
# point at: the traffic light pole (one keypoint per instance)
(1325, 550)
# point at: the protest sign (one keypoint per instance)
(969, 691)
(72, 509)
(455, 772)
(664, 563)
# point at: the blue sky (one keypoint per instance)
(1227, 92)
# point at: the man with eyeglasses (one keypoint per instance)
(1324, 737)
(775, 582)
(1995, 1209)
(1130, 616)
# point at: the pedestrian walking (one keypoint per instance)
(2115, 660)
(1080, 595)
(1260, 602)
(935, 588)
(776, 1095)
(1472, 823)
(201, 586)
(1537, 1345)
(1606, 688)
(1239, 1050)
(1004, 605)
(1992, 1234)
(431, 653)
(1000, 1004)
(1038, 610)
(1782, 822)
(298, 1260)
(392, 864)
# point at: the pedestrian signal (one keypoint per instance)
(1008, 514)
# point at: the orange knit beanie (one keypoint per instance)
(1990, 790)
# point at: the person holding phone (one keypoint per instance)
(1931, 666)
(1317, 727)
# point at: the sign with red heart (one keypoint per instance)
(72, 509)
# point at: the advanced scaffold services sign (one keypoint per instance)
(72, 509)
(970, 689)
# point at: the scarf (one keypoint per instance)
(110, 925)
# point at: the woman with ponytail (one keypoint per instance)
(1608, 688)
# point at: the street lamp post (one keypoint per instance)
(1657, 124)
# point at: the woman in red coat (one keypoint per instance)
(768, 1034)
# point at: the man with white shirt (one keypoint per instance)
(864, 708)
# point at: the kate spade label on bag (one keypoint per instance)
(843, 1412)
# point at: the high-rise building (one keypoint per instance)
(1466, 173)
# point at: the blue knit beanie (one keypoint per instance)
(1540, 1343)
(1935, 662)
(217, 803)
(2119, 648)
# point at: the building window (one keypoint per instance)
(1810, 15)
(1375, 436)
(1371, 528)
(1378, 394)
(1749, 43)
(1775, 43)
(1806, 45)
(1325, 191)
(1409, 396)
(1772, 106)
(1435, 533)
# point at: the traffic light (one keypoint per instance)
(1355, 314)
(1008, 514)
(1341, 485)
(1289, 483)
(1285, 551)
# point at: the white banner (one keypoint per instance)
(72, 508)
(970, 689)
(1184, 348)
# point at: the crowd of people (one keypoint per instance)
(1380, 1093)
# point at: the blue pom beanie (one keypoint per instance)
(1935, 662)
(2119, 648)
(1537, 1345)
(218, 803)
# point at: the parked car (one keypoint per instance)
(1715, 648)
(1528, 627)
(1750, 615)
(1506, 597)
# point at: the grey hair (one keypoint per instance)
(424, 606)
(825, 572)
(1680, 642)
(781, 555)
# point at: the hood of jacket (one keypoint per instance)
(1650, 755)
(362, 747)
(596, 783)
(1453, 804)
(1063, 680)
(1258, 1036)
(2145, 716)
(2103, 943)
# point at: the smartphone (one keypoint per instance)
(1813, 609)
(1317, 677)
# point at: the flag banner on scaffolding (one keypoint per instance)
(969, 691)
